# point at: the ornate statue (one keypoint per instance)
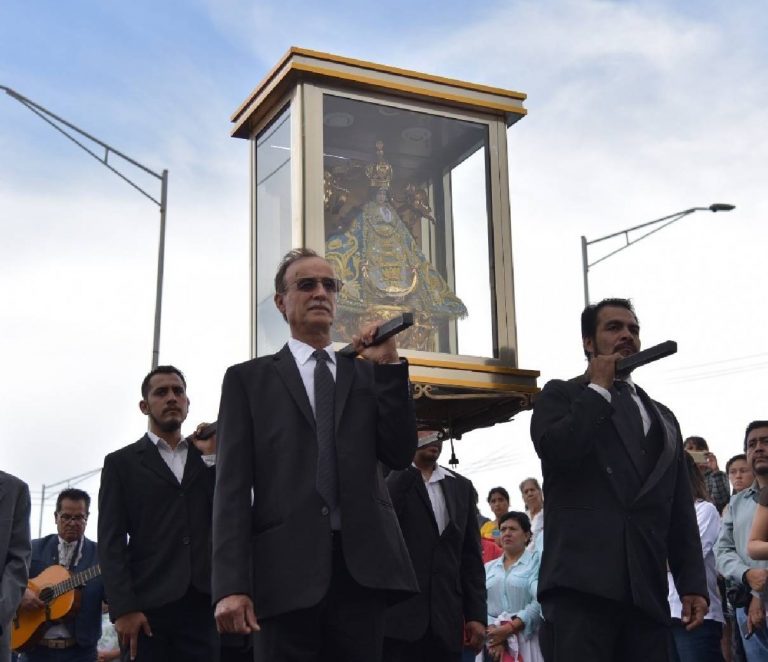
(385, 272)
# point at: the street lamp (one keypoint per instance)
(49, 117)
(665, 221)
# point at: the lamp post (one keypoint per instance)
(658, 224)
(49, 117)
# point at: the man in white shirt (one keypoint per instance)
(436, 511)
(155, 509)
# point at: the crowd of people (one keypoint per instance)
(316, 523)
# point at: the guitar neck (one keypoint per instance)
(78, 579)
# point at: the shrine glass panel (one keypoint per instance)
(273, 226)
(407, 223)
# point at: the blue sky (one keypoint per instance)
(636, 110)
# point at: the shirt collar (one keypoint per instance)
(303, 352)
(438, 473)
(162, 443)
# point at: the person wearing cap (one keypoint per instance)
(436, 511)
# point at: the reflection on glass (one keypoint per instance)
(406, 223)
(273, 226)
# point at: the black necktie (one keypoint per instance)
(627, 405)
(325, 389)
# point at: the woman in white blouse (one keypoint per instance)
(533, 498)
(514, 614)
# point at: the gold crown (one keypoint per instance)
(379, 173)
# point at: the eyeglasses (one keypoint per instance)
(330, 285)
(64, 517)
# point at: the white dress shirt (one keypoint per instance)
(302, 354)
(436, 496)
(175, 458)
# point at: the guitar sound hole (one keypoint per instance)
(46, 595)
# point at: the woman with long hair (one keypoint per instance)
(703, 643)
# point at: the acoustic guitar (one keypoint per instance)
(57, 588)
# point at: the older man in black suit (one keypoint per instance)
(618, 507)
(154, 542)
(305, 536)
(436, 510)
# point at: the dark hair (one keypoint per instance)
(699, 443)
(696, 479)
(498, 490)
(753, 426)
(73, 494)
(590, 313)
(530, 480)
(735, 458)
(522, 519)
(161, 370)
(288, 259)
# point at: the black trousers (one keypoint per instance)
(426, 649)
(579, 627)
(182, 631)
(347, 625)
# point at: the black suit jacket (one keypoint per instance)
(276, 547)
(449, 567)
(154, 533)
(608, 532)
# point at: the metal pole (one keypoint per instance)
(42, 506)
(585, 269)
(160, 267)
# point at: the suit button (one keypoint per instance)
(609, 470)
(185, 540)
(324, 510)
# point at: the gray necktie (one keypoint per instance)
(626, 403)
(325, 390)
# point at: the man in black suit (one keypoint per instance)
(154, 529)
(618, 507)
(305, 536)
(436, 511)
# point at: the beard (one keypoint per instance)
(167, 425)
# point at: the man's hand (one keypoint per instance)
(694, 609)
(755, 615)
(234, 614)
(30, 601)
(108, 656)
(602, 369)
(127, 627)
(756, 578)
(205, 446)
(712, 462)
(385, 352)
(474, 635)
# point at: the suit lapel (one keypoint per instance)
(449, 486)
(421, 490)
(668, 448)
(3, 489)
(150, 457)
(622, 421)
(193, 466)
(289, 372)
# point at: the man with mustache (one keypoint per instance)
(618, 507)
(154, 530)
(305, 537)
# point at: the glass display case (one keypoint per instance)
(400, 180)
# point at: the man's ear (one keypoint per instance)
(279, 302)
(589, 347)
(144, 407)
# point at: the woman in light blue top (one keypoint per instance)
(511, 581)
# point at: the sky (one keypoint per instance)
(636, 110)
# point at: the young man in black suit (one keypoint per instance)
(154, 529)
(618, 507)
(304, 534)
(436, 511)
